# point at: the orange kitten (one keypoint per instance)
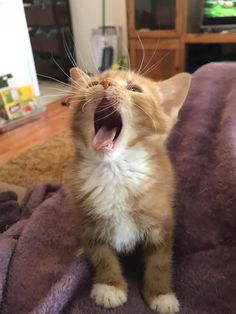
(122, 182)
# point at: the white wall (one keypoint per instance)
(16, 53)
(87, 15)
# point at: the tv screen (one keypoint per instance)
(219, 13)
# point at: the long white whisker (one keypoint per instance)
(126, 52)
(96, 66)
(153, 54)
(150, 60)
(155, 65)
(110, 114)
(60, 90)
(106, 107)
(51, 95)
(76, 83)
(146, 114)
(111, 104)
(67, 50)
(80, 58)
(88, 101)
(53, 79)
(86, 79)
(107, 115)
(143, 53)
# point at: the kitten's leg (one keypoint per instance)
(157, 279)
(109, 288)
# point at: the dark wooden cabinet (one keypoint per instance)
(156, 59)
(154, 34)
(165, 38)
(51, 35)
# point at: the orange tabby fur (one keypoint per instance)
(125, 196)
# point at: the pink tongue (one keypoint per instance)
(104, 139)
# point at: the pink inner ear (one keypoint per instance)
(174, 91)
(74, 74)
(168, 106)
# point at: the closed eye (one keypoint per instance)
(134, 88)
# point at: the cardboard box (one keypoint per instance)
(17, 102)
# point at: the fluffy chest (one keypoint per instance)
(112, 185)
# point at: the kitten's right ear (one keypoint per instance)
(78, 78)
(173, 92)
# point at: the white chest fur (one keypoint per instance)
(111, 182)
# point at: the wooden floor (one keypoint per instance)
(16, 141)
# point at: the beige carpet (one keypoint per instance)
(47, 162)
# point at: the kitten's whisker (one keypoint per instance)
(154, 124)
(67, 50)
(73, 43)
(71, 100)
(125, 47)
(90, 100)
(154, 66)
(85, 104)
(96, 66)
(53, 79)
(60, 67)
(116, 109)
(107, 107)
(153, 54)
(72, 59)
(60, 90)
(143, 53)
(52, 95)
(86, 78)
(150, 60)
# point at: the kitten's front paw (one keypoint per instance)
(165, 304)
(108, 296)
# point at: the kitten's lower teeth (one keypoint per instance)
(103, 139)
(109, 146)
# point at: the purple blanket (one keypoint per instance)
(39, 269)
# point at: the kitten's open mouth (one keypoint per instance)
(107, 126)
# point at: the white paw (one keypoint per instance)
(108, 296)
(165, 304)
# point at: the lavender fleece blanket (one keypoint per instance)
(39, 271)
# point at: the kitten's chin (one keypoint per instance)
(107, 126)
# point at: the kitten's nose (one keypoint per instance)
(106, 83)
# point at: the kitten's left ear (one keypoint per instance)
(173, 92)
(78, 78)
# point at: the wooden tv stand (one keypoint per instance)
(160, 54)
(218, 38)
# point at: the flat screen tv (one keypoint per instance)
(219, 14)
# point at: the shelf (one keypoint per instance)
(50, 68)
(49, 15)
(49, 26)
(10, 125)
(192, 48)
(209, 38)
(52, 44)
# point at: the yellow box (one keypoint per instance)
(17, 102)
